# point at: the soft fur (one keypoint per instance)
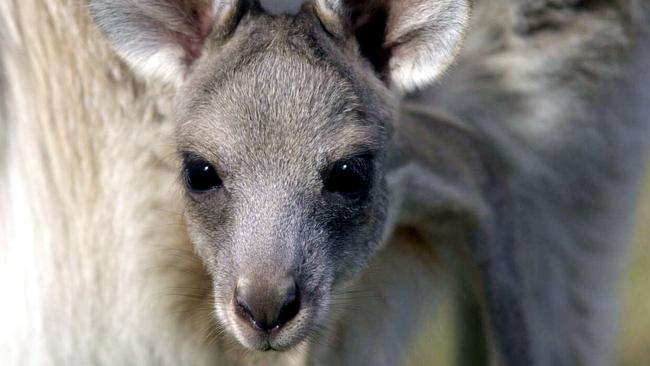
(516, 173)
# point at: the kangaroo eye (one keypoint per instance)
(349, 178)
(201, 176)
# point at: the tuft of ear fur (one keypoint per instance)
(162, 38)
(409, 42)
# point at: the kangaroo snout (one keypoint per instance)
(265, 304)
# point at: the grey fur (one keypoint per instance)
(281, 6)
(517, 172)
(568, 131)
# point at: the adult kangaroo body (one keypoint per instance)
(314, 229)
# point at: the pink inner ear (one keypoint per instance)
(201, 21)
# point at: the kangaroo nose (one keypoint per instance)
(267, 306)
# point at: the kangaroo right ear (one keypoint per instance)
(409, 42)
(162, 38)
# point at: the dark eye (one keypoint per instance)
(349, 178)
(201, 176)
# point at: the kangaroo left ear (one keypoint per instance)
(409, 42)
(162, 38)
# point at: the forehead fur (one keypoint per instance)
(274, 88)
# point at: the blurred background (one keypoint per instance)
(634, 340)
(436, 346)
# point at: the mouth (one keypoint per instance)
(280, 338)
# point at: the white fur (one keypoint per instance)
(164, 64)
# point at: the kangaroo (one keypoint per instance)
(328, 190)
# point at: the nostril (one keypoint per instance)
(290, 307)
(242, 309)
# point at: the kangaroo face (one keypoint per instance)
(282, 154)
(282, 128)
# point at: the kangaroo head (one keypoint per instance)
(283, 123)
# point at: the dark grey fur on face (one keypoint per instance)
(281, 6)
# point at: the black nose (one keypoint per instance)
(267, 305)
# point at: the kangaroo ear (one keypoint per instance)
(162, 38)
(409, 42)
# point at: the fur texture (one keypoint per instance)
(517, 174)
